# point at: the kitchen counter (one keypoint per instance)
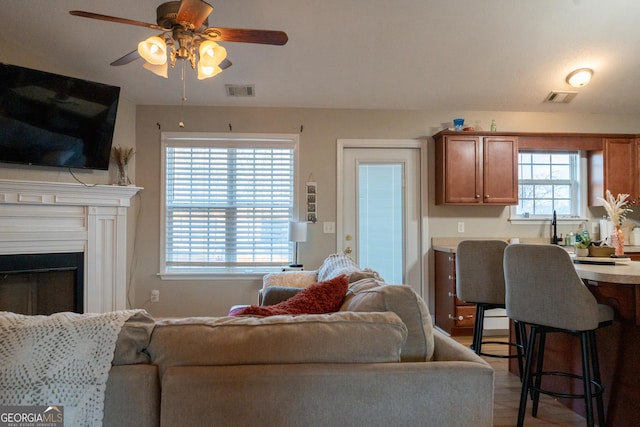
(449, 244)
(624, 274)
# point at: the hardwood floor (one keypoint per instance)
(507, 395)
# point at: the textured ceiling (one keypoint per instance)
(384, 54)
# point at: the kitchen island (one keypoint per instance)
(618, 344)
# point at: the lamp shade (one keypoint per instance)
(211, 53)
(204, 72)
(153, 50)
(159, 70)
(297, 231)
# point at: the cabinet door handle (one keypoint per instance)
(477, 196)
(455, 318)
(487, 196)
(451, 294)
(452, 277)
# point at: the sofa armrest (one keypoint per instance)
(275, 294)
(447, 349)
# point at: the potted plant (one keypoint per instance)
(582, 247)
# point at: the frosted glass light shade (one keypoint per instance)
(153, 50)
(205, 72)
(159, 70)
(211, 53)
(580, 77)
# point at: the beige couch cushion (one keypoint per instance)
(372, 295)
(133, 340)
(343, 337)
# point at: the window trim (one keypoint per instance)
(206, 138)
(516, 219)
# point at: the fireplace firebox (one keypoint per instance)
(42, 283)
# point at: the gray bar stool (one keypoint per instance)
(545, 292)
(480, 281)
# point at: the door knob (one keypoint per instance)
(347, 250)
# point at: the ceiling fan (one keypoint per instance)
(185, 35)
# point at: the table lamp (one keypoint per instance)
(297, 234)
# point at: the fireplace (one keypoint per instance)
(42, 283)
(79, 235)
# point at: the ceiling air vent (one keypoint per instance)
(240, 90)
(560, 97)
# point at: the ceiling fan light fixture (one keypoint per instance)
(159, 70)
(580, 77)
(211, 53)
(153, 50)
(205, 72)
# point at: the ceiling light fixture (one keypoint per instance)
(580, 77)
(160, 52)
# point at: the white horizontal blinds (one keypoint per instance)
(229, 205)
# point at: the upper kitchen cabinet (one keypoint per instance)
(614, 168)
(476, 169)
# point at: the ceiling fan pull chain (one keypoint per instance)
(184, 96)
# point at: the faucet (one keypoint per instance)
(554, 223)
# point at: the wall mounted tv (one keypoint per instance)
(51, 120)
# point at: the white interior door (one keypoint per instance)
(379, 224)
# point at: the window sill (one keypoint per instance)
(544, 220)
(218, 274)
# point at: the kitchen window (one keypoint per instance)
(227, 202)
(549, 181)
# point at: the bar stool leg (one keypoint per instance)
(478, 328)
(595, 364)
(521, 339)
(526, 380)
(586, 378)
(539, 364)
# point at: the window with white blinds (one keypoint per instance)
(228, 200)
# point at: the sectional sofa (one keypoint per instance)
(377, 361)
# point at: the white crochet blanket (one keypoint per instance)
(62, 359)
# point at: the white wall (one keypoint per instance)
(321, 129)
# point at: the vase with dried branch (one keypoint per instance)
(617, 208)
(122, 157)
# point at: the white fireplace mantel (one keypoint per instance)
(54, 217)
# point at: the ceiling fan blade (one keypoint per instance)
(243, 35)
(129, 57)
(194, 12)
(115, 19)
(225, 64)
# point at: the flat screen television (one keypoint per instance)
(48, 119)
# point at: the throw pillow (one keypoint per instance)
(319, 298)
(336, 264)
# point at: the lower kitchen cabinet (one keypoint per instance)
(453, 316)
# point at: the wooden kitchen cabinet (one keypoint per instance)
(614, 168)
(453, 316)
(474, 169)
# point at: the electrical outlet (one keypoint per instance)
(461, 227)
(155, 295)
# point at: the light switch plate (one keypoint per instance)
(329, 227)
